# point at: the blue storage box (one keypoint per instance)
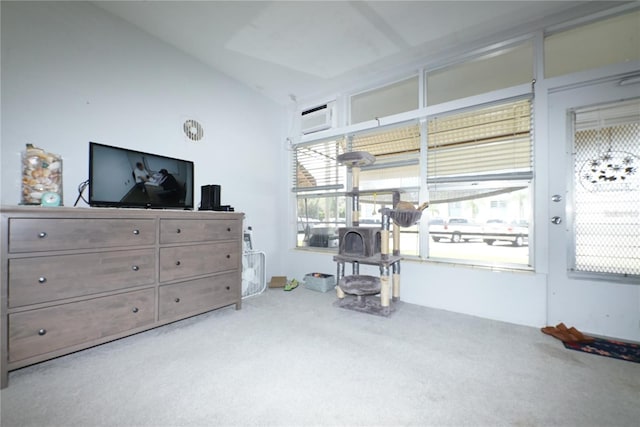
(319, 282)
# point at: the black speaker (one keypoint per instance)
(210, 198)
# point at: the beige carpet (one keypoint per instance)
(293, 359)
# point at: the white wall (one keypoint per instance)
(514, 297)
(73, 73)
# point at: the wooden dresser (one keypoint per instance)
(73, 278)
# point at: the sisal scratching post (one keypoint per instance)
(396, 281)
(355, 174)
(384, 243)
(384, 234)
(396, 239)
(384, 290)
(339, 275)
(396, 286)
(355, 170)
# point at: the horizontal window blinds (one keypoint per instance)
(493, 141)
(397, 153)
(315, 166)
(389, 143)
(600, 117)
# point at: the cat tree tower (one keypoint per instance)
(370, 246)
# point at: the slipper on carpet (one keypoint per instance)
(291, 285)
(556, 333)
(580, 337)
(564, 334)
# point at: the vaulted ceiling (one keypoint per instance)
(303, 50)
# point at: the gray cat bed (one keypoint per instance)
(403, 217)
(360, 285)
(357, 288)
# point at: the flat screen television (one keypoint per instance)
(119, 177)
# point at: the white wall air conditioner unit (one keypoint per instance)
(316, 119)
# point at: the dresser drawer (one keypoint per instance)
(36, 332)
(180, 262)
(198, 296)
(33, 235)
(51, 278)
(198, 230)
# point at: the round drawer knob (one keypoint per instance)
(177, 300)
(228, 288)
(136, 232)
(228, 228)
(135, 309)
(42, 280)
(135, 268)
(42, 332)
(177, 262)
(42, 235)
(178, 231)
(228, 256)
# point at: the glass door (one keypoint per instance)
(594, 209)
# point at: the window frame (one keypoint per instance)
(503, 96)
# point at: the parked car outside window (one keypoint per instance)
(454, 229)
(516, 232)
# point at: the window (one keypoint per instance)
(498, 70)
(319, 186)
(476, 163)
(479, 176)
(391, 99)
(606, 190)
(321, 183)
(610, 41)
(397, 168)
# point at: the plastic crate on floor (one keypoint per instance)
(319, 282)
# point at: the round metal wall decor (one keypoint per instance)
(193, 130)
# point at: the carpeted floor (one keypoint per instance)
(293, 359)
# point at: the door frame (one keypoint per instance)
(596, 306)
